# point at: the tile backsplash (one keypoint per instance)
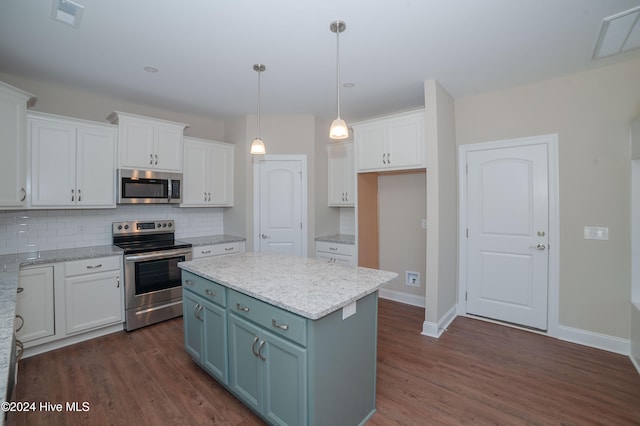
(24, 231)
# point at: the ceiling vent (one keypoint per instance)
(67, 12)
(619, 33)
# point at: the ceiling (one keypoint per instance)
(205, 50)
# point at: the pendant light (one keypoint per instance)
(257, 146)
(339, 129)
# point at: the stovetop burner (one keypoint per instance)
(142, 237)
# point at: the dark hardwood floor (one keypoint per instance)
(477, 373)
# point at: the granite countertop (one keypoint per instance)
(302, 285)
(212, 239)
(338, 238)
(9, 267)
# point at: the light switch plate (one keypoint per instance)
(596, 233)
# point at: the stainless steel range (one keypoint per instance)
(152, 284)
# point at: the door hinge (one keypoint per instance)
(300, 225)
(467, 232)
(466, 169)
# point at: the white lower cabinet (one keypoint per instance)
(94, 294)
(335, 252)
(66, 302)
(35, 304)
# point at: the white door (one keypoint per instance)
(508, 225)
(280, 206)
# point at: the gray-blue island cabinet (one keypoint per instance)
(291, 363)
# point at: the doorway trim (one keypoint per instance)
(256, 197)
(551, 141)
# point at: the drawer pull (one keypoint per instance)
(99, 265)
(205, 251)
(242, 308)
(333, 248)
(19, 290)
(188, 282)
(228, 249)
(280, 326)
(210, 293)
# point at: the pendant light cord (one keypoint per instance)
(259, 72)
(338, 65)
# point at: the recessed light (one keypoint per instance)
(67, 12)
(151, 69)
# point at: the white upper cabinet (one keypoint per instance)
(146, 143)
(72, 162)
(390, 143)
(341, 175)
(207, 173)
(13, 140)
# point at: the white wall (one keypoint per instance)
(401, 207)
(591, 112)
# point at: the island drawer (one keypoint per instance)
(91, 265)
(215, 250)
(269, 317)
(202, 287)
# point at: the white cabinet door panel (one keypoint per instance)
(96, 168)
(35, 304)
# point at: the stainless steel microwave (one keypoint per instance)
(149, 187)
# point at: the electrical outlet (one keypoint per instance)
(412, 278)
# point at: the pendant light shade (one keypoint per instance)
(257, 146)
(339, 129)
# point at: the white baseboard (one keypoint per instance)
(56, 344)
(433, 329)
(595, 340)
(398, 296)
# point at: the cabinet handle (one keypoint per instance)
(205, 251)
(188, 282)
(260, 351)
(72, 195)
(346, 196)
(253, 346)
(196, 311)
(242, 308)
(388, 158)
(156, 163)
(118, 281)
(209, 197)
(21, 322)
(79, 195)
(228, 248)
(150, 158)
(24, 194)
(99, 265)
(383, 160)
(19, 290)
(333, 248)
(205, 196)
(210, 293)
(280, 326)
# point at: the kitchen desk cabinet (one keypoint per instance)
(13, 142)
(94, 294)
(72, 162)
(390, 143)
(146, 143)
(35, 304)
(208, 173)
(341, 191)
(335, 253)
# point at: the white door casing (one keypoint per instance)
(508, 231)
(280, 204)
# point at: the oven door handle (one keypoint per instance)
(157, 255)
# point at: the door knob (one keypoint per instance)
(538, 247)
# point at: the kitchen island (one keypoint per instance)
(293, 338)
